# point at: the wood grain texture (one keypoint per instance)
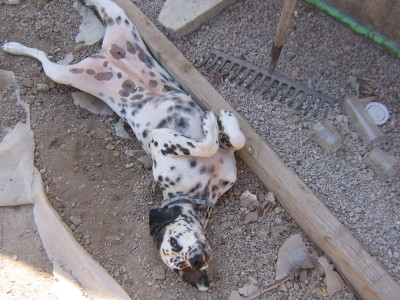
(365, 275)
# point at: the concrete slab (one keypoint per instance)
(181, 16)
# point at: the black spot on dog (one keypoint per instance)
(129, 86)
(137, 97)
(156, 143)
(117, 52)
(123, 112)
(130, 47)
(90, 72)
(145, 133)
(193, 163)
(105, 64)
(76, 70)
(118, 20)
(110, 21)
(153, 83)
(147, 60)
(119, 75)
(172, 168)
(152, 74)
(167, 89)
(190, 144)
(104, 76)
(195, 188)
(207, 169)
(124, 93)
(135, 36)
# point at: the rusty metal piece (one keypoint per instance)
(258, 79)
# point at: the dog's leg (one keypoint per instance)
(123, 42)
(231, 137)
(91, 75)
(168, 142)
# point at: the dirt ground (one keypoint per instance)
(104, 193)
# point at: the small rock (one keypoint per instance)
(116, 153)
(235, 296)
(75, 220)
(11, 2)
(278, 210)
(263, 234)
(248, 290)
(42, 87)
(247, 198)
(251, 217)
(79, 47)
(296, 119)
(270, 196)
(98, 164)
(237, 231)
(27, 83)
(75, 169)
(146, 161)
(225, 225)
(158, 273)
(236, 278)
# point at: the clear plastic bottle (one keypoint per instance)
(383, 164)
(324, 134)
(365, 126)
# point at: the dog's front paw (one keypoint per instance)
(210, 124)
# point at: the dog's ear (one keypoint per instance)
(160, 217)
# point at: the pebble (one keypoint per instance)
(236, 278)
(235, 296)
(158, 273)
(27, 83)
(237, 231)
(116, 153)
(251, 217)
(146, 161)
(42, 87)
(75, 220)
(247, 198)
(225, 225)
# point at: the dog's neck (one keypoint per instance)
(199, 213)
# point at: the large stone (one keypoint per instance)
(183, 16)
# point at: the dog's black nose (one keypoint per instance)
(197, 261)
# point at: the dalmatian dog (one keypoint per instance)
(192, 151)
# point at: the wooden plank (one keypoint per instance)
(183, 16)
(363, 272)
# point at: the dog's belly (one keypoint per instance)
(177, 112)
(204, 178)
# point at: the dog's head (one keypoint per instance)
(181, 242)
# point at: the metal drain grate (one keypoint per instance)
(276, 86)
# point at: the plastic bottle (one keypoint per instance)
(324, 134)
(365, 126)
(383, 164)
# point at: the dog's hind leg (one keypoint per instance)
(92, 75)
(123, 42)
(168, 142)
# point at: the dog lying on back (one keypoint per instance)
(192, 151)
